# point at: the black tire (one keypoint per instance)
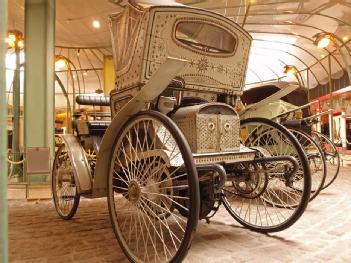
(278, 204)
(153, 190)
(64, 190)
(316, 160)
(331, 155)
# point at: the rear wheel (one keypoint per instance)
(331, 155)
(153, 190)
(316, 161)
(278, 196)
(64, 189)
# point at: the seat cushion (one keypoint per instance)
(97, 127)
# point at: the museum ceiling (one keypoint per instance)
(283, 32)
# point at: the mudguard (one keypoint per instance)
(274, 97)
(152, 89)
(81, 168)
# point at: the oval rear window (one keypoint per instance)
(205, 37)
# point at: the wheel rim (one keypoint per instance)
(331, 156)
(152, 198)
(281, 202)
(64, 187)
(316, 161)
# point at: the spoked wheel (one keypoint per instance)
(331, 155)
(91, 157)
(278, 189)
(316, 161)
(64, 189)
(153, 190)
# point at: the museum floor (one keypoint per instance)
(323, 234)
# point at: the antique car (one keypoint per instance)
(175, 148)
(288, 104)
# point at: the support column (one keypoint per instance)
(343, 130)
(331, 126)
(3, 138)
(109, 75)
(39, 76)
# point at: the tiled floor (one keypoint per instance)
(323, 234)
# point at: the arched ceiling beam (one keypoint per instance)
(301, 36)
(302, 25)
(290, 54)
(255, 73)
(268, 67)
(281, 13)
(297, 46)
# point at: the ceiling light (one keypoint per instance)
(60, 63)
(322, 40)
(85, 73)
(21, 44)
(9, 42)
(345, 38)
(290, 71)
(323, 43)
(14, 38)
(96, 24)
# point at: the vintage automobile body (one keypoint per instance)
(143, 39)
(175, 148)
(288, 104)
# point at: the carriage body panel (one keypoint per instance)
(217, 50)
(210, 127)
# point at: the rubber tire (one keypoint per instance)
(53, 187)
(307, 183)
(193, 185)
(315, 193)
(337, 156)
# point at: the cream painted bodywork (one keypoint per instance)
(79, 161)
(271, 106)
(150, 91)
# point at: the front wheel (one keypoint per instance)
(153, 190)
(277, 196)
(64, 189)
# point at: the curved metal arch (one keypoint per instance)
(296, 57)
(276, 13)
(254, 72)
(301, 36)
(268, 67)
(303, 25)
(279, 60)
(271, 70)
(291, 13)
(297, 46)
(290, 54)
(82, 47)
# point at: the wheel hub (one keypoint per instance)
(134, 191)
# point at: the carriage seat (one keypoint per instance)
(92, 127)
(98, 127)
(93, 100)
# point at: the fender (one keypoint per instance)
(274, 97)
(156, 85)
(81, 168)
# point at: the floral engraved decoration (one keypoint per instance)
(202, 65)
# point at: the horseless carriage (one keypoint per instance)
(175, 148)
(288, 104)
